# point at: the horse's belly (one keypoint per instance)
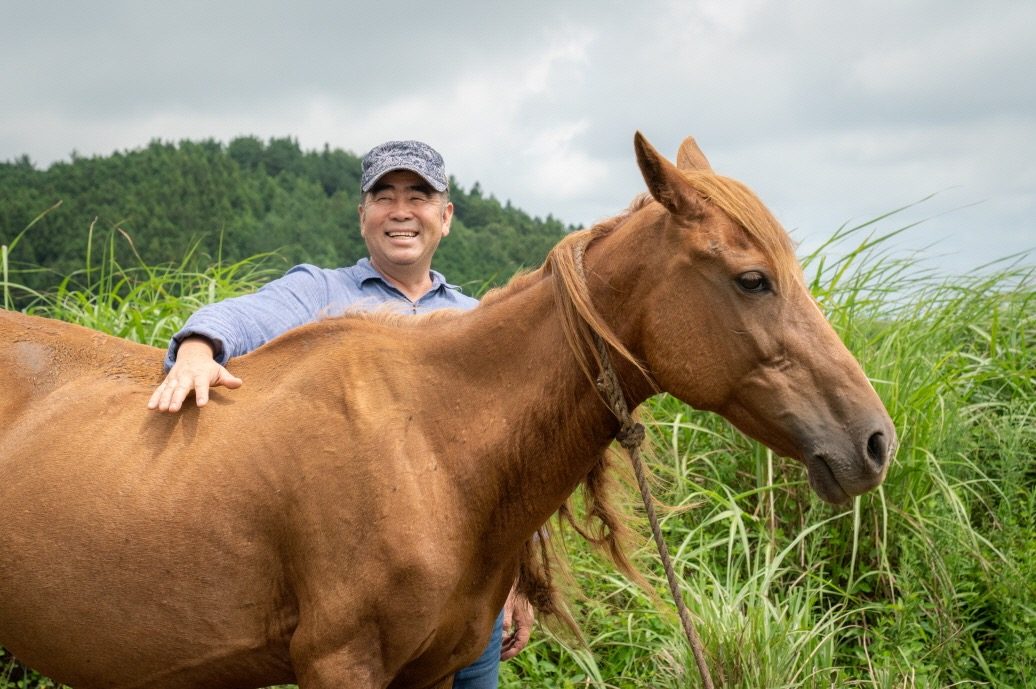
(101, 609)
(90, 611)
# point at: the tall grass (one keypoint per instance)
(926, 582)
(141, 302)
(929, 581)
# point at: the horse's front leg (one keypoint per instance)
(340, 669)
(444, 684)
(321, 662)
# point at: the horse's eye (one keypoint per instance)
(753, 281)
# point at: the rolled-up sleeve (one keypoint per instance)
(237, 326)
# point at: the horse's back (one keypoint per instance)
(40, 355)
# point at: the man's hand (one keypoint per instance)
(518, 618)
(196, 370)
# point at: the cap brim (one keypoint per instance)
(438, 186)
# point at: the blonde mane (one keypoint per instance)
(605, 518)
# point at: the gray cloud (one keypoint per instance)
(831, 110)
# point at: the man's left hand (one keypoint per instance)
(518, 619)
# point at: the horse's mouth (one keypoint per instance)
(823, 481)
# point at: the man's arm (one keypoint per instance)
(239, 325)
(217, 332)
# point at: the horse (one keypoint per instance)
(356, 514)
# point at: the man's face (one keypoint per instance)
(402, 220)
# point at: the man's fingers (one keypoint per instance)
(167, 395)
(180, 392)
(514, 643)
(170, 395)
(201, 390)
(156, 396)
(228, 379)
(518, 620)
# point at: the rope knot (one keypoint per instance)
(631, 435)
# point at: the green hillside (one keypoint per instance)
(233, 201)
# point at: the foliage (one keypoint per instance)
(927, 582)
(190, 202)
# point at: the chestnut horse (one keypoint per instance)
(354, 516)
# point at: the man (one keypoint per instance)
(405, 212)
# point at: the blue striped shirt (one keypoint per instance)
(306, 293)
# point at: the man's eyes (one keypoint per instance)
(413, 198)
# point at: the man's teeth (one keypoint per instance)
(402, 234)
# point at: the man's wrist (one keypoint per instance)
(196, 346)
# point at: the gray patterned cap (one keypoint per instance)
(403, 155)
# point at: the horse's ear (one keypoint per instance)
(690, 157)
(664, 181)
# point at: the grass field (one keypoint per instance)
(928, 582)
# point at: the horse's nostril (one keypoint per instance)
(878, 449)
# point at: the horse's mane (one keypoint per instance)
(396, 319)
(604, 521)
(334, 324)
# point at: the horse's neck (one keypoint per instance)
(540, 423)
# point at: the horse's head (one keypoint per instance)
(724, 321)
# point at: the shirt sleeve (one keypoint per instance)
(239, 325)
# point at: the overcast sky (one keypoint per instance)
(833, 111)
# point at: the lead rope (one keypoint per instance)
(630, 436)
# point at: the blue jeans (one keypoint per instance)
(484, 673)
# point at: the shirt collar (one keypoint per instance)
(369, 272)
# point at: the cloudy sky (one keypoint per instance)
(833, 111)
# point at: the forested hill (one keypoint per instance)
(251, 195)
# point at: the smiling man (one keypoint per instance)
(405, 211)
(403, 217)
